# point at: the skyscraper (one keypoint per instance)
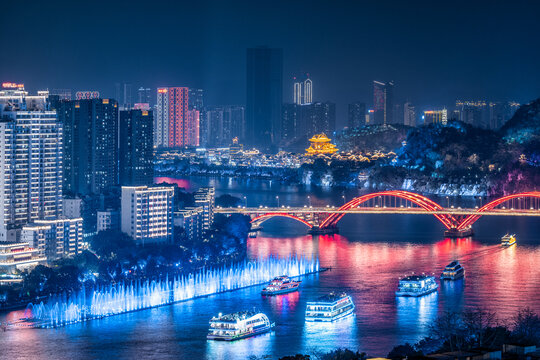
(264, 96)
(136, 148)
(303, 90)
(436, 117)
(223, 124)
(409, 114)
(196, 99)
(123, 94)
(383, 102)
(357, 115)
(90, 144)
(144, 96)
(171, 122)
(193, 128)
(30, 161)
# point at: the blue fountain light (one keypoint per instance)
(123, 298)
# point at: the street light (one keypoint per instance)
(309, 200)
(245, 201)
(277, 198)
(343, 197)
(447, 202)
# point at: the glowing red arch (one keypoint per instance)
(429, 205)
(262, 218)
(471, 219)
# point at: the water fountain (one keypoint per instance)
(123, 298)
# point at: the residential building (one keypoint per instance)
(144, 96)
(409, 114)
(302, 90)
(55, 239)
(196, 99)
(205, 198)
(147, 213)
(357, 115)
(90, 145)
(193, 128)
(191, 219)
(87, 95)
(383, 102)
(72, 207)
(436, 117)
(136, 151)
(171, 120)
(30, 161)
(223, 124)
(264, 97)
(108, 220)
(123, 94)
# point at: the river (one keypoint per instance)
(367, 258)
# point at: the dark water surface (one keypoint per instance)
(367, 259)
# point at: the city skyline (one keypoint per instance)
(493, 70)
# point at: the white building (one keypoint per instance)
(192, 220)
(72, 207)
(19, 256)
(30, 161)
(108, 220)
(205, 198)
(147, 213)
(55, 239)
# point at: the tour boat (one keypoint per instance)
(453, 271)
(508, 240)
(281, 285)
(416, 285)
(331, 307)
(238, 325)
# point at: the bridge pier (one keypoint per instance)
(315, 230)
(459, 233)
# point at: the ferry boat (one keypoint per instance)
(281, 285)
(238, 325)
(331, 307)
(416, 285)
(508, 240)
(453, 271)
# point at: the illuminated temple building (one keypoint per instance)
(320, 145)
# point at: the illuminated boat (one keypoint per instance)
(508, 240)
(238, 325)
(281, 285)
(416, 285)
(453, 271)
(330, 308)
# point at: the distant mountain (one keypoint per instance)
(524, 126)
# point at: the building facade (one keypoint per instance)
(357, 115)
(436, 117)
(31, 162)
(171, 127)
(108, 220)
(136, 151)
(191, 219)
(55, 239)
(264, 97)
(90, 144)
(303, 90)
(223, 123)
(409, 114)
(205, 198)
(19, 256)
(383, 102)
(147, 213)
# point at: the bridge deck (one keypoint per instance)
(378, 210)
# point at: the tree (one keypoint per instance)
(526, 327)
(403, 351)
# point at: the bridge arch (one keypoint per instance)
(262, 218)
(427, 204)
(471, 219)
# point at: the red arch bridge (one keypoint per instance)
(456, 220)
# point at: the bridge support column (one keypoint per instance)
(315, 230)
(459, 233)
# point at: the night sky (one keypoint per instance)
(434, 52)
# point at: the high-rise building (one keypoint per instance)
(63, 94)
(409, 114)
(196, 99)
(31, 149)
(171, 121)
(136, 153)
(193, 128)
(289, 121)
(264, 97)
(191, 219)
(108, 220)
(475, 113)
(90, 144)
(144, 96)
(55, 239)
(357, 115)
(205, 198)
(147, 213)
(316, 118)
(86, 95)
(436, 117)
(123, 94)
(501, 112)
(302, 90)
(223, 124)
(383, 102)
